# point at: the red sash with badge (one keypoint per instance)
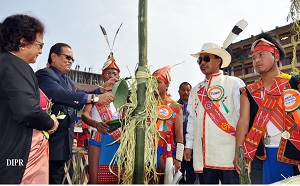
(105, 115)
(215, 93)
(104, 112)
(270, 109)
(164, 113)
(167, 111)
(289, 147)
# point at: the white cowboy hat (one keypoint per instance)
(213, 48)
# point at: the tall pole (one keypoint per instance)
(141, 89)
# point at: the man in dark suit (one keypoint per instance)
(66, 98)
(189, 176)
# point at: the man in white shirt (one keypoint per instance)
(214, 111)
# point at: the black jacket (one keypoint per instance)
(19, 114)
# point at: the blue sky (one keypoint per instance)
(176, 28)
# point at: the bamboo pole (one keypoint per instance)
(244, 176)
(141, 89)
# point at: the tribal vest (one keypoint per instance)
(287, 153)
(212, 146)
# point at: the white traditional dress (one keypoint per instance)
(212, 121)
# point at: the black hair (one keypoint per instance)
(16, 27)
(268, 36)
(218, 57)
(184, 83)
(57, 49)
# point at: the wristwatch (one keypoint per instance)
(96, 99)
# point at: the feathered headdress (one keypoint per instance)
(236, 30)
(111, 62)
(214, 48)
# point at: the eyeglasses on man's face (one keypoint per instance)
(68, 57)
(206, 58)
(41, 44)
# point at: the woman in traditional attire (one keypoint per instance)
(169, 122)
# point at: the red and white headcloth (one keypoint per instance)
(265, 45)
(163, 74)
(111, 63)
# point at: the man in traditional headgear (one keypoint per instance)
(169, 122)
(111, 66)
(214, 111)
(100, 138)
(269, 117)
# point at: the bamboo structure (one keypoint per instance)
(141, 89)
(244, 176)
(295, 31)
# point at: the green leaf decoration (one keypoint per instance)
(114, 124)
(120, 92)
(60, 117)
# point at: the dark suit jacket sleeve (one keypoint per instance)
(54, 88)
(21, 90)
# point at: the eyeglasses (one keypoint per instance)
(114, 74)
(40, 43)
(205, 58)
(68, 57)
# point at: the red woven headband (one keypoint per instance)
(264, 45)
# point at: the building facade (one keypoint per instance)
(241, 62)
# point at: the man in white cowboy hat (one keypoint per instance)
(214, 106)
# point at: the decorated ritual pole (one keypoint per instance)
(294, 15)
(141, 89)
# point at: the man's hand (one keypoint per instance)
(177, 164)
(108, 85)
(55, 126)
(102, 127)
(187, 154)
(106, 98)
(236, 164)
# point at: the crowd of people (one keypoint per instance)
(204, 128)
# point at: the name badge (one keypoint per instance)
(215, 93)
(164, 112)
(291, 100)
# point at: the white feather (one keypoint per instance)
(169, 171)
(240, 26)
(177, 177)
